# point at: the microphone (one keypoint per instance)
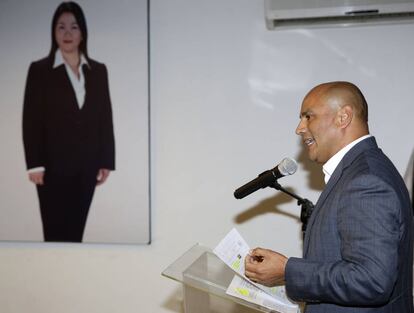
(288, 166)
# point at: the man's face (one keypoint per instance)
(317, 127)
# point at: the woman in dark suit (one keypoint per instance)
(67, 127)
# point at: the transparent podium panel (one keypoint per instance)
(205, 279)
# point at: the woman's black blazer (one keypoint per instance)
(56, 133)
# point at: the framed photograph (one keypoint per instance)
(75, 121)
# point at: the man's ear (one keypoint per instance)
(344, 116)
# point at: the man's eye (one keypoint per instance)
(307, 117)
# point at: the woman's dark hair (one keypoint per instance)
(76, 10)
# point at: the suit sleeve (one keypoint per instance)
(33, 126)
(369, 226)
(107, 140)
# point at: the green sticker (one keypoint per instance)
(243, 291)
(236, 264)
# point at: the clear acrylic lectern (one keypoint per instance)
(205, 279)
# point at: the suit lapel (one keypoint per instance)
(319, 204)
(64, 84)
(87, 75)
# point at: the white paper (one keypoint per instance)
(242, 289)
(232, 250)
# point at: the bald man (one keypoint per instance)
(358, 248)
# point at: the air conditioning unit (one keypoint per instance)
(294, 13)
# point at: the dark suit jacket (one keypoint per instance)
(358, 248)
(56, 133)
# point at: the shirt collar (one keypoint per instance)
(330, 166)
(59, 60)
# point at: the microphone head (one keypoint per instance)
(288, 166)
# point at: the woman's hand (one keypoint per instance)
(103, 174)
(37, 177)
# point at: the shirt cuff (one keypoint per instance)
(36, 169)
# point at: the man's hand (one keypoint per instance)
(37, 177)
(266, 267)
(103, 174)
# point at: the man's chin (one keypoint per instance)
(312, 155)
(315, 158)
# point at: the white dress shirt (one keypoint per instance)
(78, 84)
(330, 166)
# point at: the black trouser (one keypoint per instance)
(64, 205)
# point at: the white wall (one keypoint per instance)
(225, 100)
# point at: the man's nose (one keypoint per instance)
(301, 128)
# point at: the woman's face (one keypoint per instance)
(67, 33)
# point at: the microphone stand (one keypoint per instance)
(306, 206)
